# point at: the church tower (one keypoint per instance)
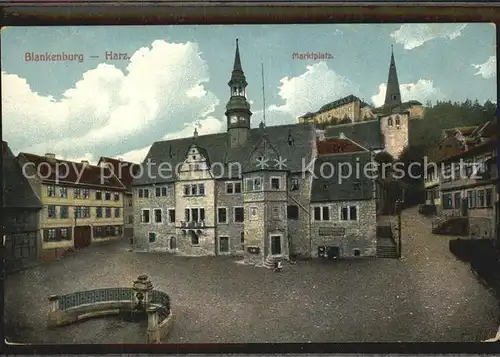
(393, 94)
(237, 108)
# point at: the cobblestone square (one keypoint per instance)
(427, 296)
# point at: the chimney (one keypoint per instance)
(50, 156)
(195, 134)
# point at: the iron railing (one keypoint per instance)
(69, 301)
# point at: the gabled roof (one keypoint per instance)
(356, 187)
(221, 154)
(124, 170)
(366, 133)
(90, 175)
(337, 146)
(17, 191)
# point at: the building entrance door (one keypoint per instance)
(275, 245)
(82, 237)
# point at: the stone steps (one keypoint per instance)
(387, 252)
(270, 260)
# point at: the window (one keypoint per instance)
(469, 168)
(171, 215)
(322, 213)
(172, 243)
(389, 122)
(78, 212)
(77, 193)
(98, 212)
(194, 214)
(398, 121)
(242, 240)
(50, 235)
(222, 215)
(471, 199)
(64, 233)
(292, 212)
(63, 192)
(152, 237)
(143, 193)
(164, 191)
(349, 213)
(130, 219)
(51, 211)
(194, 190)
(118, 231)
(275, 183)
(86, 193)
(117, 212)
(489, 197)
(195, 240)
(51, 191)
(294, 185)
(116, 196)
(457, 198)
(253, 184)
(239, 214)
(145, 216)
(98, 232)
(107, 196)
(108, 212)
(480, 198)
(98, 195)
(233, 187)
(158, 191)
(63, 212)
(130, 202)
(447, 201)
(158, 215)
(356, 252)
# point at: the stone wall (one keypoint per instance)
(164, 230)
(360, 234)
(231, 229)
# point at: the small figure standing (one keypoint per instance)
(278, 266)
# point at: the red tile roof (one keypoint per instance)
(71, 173)
(337, 146)
(124, 170)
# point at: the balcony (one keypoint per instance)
(192, 224)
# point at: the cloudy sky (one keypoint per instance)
(176, 78)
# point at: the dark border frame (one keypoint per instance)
(64, 12)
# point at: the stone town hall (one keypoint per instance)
(256, 192)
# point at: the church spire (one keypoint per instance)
(237, 76)
(392, 94)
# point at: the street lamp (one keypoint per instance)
(399, 207)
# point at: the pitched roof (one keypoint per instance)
(293, 142)
(124, 170)
(337, 146)
(366, 133)
(341, 186)
(18, 192)
(74, 173)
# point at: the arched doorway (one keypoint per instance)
(172, 243)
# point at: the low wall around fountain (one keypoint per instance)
(78, 306)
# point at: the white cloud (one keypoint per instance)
(423, 90)
(136, 156)
(415, 35)
(488, 69)
(109, 108)
(308, 92)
